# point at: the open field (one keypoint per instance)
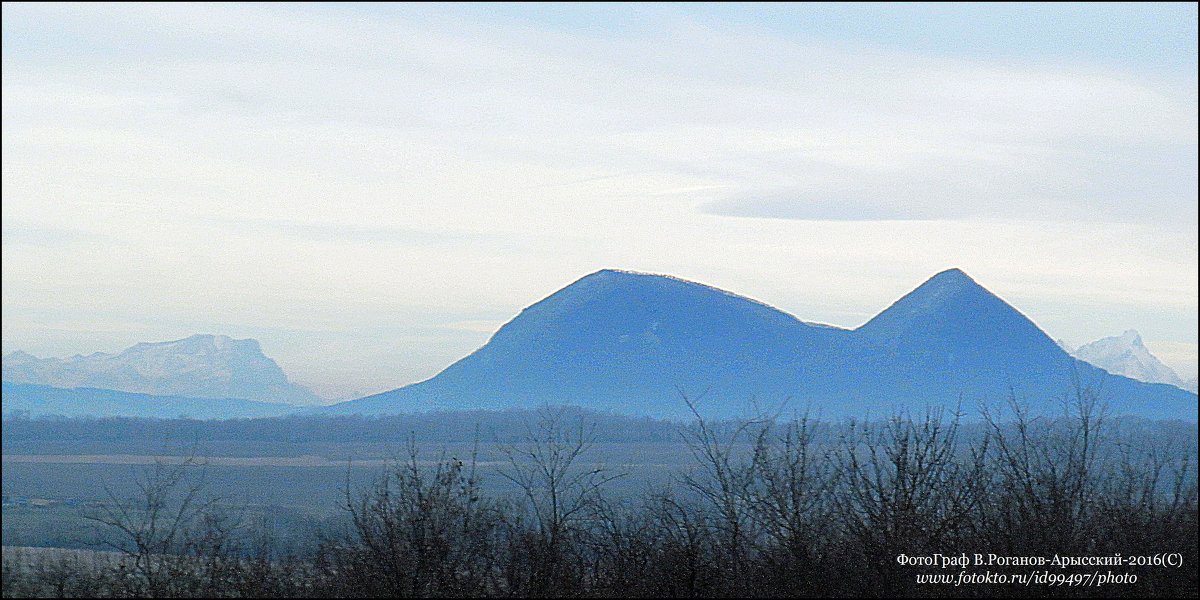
(292, 486)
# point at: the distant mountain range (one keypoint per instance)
(40, 400)
(632, 343)
(635, 344)
(1127, 355)
(200, 366)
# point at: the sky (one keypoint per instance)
(372, 190)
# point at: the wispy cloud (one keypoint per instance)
(275, 165)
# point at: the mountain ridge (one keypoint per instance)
(198, 366)
(1128, 355)
(629, 341)
(36, 400)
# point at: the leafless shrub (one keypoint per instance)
(1045, 471)
(562, 498)
(420, 532)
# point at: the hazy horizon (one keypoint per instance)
(356, 394)
(371, 191)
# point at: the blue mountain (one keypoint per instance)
(634, 343)
(625, 342)
(953, 339)
(41, 400)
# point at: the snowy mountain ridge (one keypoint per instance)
(199, 366)
(1127, 355)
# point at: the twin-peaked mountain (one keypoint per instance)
(633, 343)
(200, 366)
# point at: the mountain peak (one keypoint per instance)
(630, 275)
(950, 317)
(952, 272)
(622, 275)
(203, 342)
(1127, 355)
(205, 338)
(945, 292)
(200, 366)
(954, 278)
(20, 358)
(941, 288)
(1132, 337)
(621, 338)
(626, 285)
(618, 272)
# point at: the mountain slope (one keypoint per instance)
(42, 400)
(628, 342)
(950, 334)
(1127, 355)
(951, 337)
(200, 366)
(951, 312)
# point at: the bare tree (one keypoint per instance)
(169, 519)
(545, 467)
(1045, 468)
(903, 488)
(724, 482)
(790, 501)
(561, 494)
